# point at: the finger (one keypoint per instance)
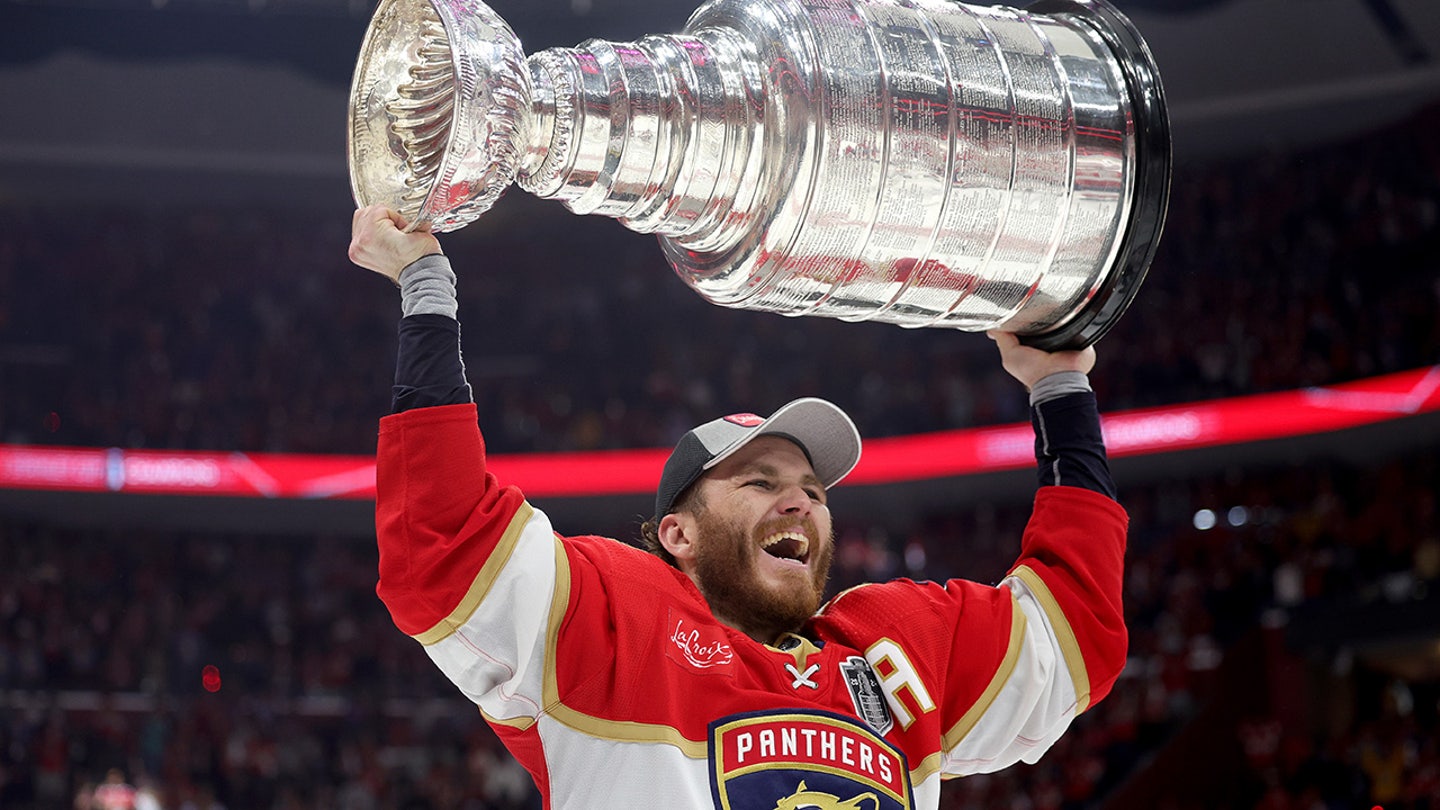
(366, 219)
(394, 217)
(1003, 339)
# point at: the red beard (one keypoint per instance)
(725, 572)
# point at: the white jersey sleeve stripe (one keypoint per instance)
(492, 646)
(1033, 705)
(1002, 675)
(1064, 634)
(484, 580)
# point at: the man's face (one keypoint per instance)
(763, 538)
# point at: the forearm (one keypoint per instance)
(1069, 445)
(1073, 549)
(429, 370)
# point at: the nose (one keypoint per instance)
(794, 500)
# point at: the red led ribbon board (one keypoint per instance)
(888, 460)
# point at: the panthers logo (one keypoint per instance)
(757, 760)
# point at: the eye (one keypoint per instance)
(762, 483)
(817, 495)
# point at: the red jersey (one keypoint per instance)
(608, 677)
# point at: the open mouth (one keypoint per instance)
(789, 545)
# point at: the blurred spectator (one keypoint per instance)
(114, 793)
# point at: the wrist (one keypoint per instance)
(427, 285)
(1058, 384)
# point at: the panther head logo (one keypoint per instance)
(806, 799)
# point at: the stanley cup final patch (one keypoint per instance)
(864, 687)
(804, 759)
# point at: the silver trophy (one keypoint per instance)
(921, 162)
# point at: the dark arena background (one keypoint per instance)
(191, 371)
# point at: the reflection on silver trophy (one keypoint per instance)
(920, 162)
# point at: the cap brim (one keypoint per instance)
(822, 430)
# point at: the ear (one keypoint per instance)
(677, 533)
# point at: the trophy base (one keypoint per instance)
(1153, 160)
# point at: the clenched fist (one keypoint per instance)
(1030, 365)
(379, 242)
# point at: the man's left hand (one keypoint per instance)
(1030, 365)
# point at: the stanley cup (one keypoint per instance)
(920, 162)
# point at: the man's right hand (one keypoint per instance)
(378, 241)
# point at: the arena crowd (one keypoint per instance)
(261, 672)
(250, 330)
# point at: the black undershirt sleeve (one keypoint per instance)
(1069, 446)
(429, 370)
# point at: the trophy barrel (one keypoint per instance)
(927, 163)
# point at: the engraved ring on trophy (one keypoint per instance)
(918, 162)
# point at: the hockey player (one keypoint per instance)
(705, 672)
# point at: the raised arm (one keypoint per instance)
(1061, 641)
(467, 568)
(1069, 447)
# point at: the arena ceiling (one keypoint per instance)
(159, 98)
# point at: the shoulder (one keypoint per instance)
(618, 561)
(903, 606)
(929, 611)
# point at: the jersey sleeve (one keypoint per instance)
(979, 677)
(1066, 639)
(467, 567)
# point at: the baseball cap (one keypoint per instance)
(820, 428)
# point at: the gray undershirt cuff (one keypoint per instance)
(427, 287)
(1054, 386)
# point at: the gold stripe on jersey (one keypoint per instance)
(517, 723)
(1069, 646)
(968, 721)
(801, 651)
(927, 767)
(483, 581)
(589, 725)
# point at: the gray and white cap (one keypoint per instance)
(823, 431)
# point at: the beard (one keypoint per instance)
(725, 571)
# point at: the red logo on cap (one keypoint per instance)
(748, 420)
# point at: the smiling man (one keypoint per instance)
(751, 528)
(704, 671)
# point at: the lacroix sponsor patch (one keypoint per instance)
(700, 647)
(762, 761)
